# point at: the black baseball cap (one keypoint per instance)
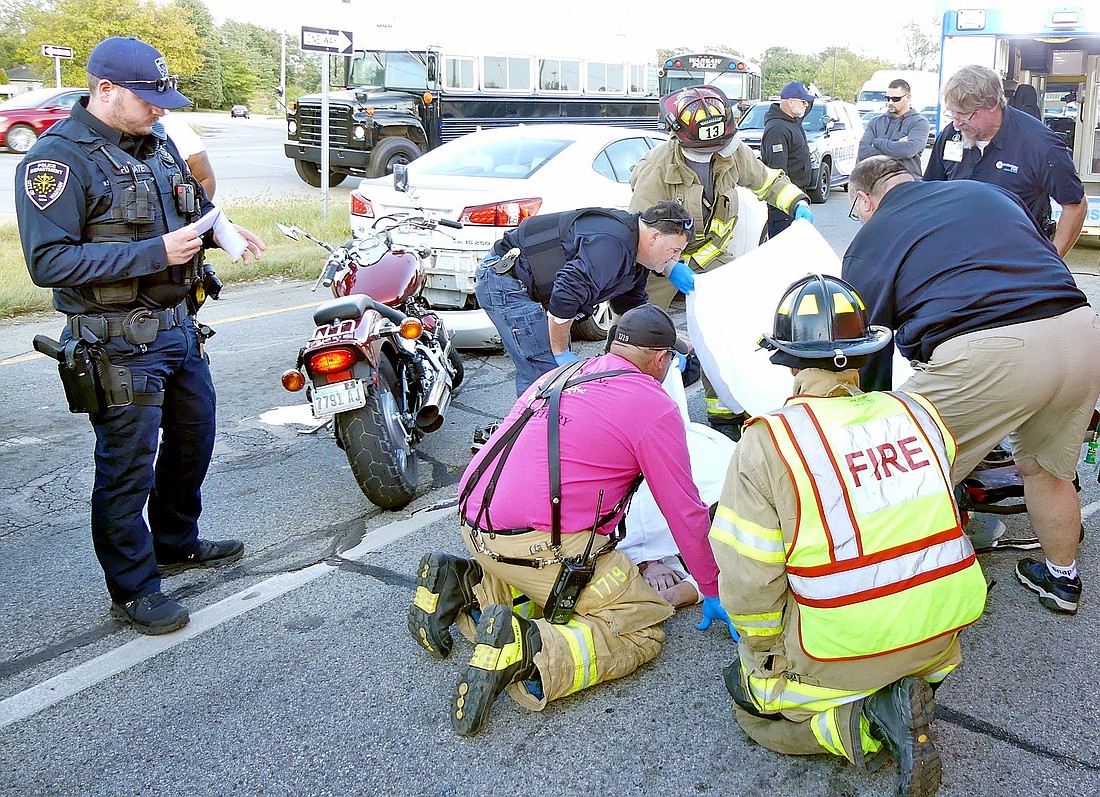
(648, 327)
(139, 67)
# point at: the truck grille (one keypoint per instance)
(309, 123)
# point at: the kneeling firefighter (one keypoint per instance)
(557, 608)
(843, 561)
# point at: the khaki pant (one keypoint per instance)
(616, 627)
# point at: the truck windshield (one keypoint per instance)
(391, 69)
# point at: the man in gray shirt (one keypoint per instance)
(900, 133)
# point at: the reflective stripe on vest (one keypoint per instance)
(878, 561)
(712, 242)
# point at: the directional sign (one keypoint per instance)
(326, 41)
(53, 51)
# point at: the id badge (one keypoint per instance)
(953, 151)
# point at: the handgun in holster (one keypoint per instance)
(91, 381)
(508, 262)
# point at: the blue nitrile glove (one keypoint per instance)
(802, 211)
(566, 357)
(682, 278)
(681, 361)
(712, 610)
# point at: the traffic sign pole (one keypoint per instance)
(56, 53)
(326, 42)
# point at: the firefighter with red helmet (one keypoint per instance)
(700, 166)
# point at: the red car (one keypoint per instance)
(26, 116)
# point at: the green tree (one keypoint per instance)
(84, 23)
(842, 72)
(780, 66)
(204, 87)
(922, 48)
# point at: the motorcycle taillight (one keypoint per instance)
(331, 361)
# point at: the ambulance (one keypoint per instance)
(1056, 49)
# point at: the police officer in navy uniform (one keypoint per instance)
(104, 209)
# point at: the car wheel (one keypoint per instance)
(21, 138)
(595, 326)
(311, 174)
(819, 194)
(390, 152)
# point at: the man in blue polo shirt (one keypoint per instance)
(1004, 343)
(993, 143)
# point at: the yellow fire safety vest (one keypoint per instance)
(878, 561)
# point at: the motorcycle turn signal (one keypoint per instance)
(293, 380)
(411, 328)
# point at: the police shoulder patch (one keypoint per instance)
(45, 181)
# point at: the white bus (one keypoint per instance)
(1056, 49)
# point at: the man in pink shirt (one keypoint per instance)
(594, 617)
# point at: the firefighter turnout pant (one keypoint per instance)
(800, 718)
(615, 629)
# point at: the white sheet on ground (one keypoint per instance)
(648, 535)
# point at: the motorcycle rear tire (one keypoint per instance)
(381, 458)
(460, 369)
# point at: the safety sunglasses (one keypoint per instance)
(161, 85)
(899, 98)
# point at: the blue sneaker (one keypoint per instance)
(1057, 594)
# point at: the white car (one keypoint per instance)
(493, 179)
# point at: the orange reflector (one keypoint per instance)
(293, 380)
(331, 361)
(428, 98)
(411, 328)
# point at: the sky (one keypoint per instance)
(631, 29)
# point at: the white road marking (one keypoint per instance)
(1090, 509)
(53, 690)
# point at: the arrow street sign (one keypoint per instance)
(53, 51)
(326, 41)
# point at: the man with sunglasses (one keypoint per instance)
(105, 210)
(993, 143)
(1003, 341)
(899, 133)
(555, 268)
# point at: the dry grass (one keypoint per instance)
(283, 258)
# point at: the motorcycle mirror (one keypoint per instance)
(289, 232)
(400, 177)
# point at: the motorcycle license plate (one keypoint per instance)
(343, 396)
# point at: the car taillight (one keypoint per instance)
(501, 214)
(360, 205)
(331, 361)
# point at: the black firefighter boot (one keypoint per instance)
(444, 588)
(901, 715)
(504, 653)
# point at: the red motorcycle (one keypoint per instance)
(380, 364)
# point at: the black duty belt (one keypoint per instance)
(136, 326)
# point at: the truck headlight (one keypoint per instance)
(359, 132)
(291, 127)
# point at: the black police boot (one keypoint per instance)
(210, 553)
(444, 589)
(901, 715)
(151, 614)
(504, 653)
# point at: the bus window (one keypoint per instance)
(558, 75)
(606, 77)
(459, 73)
(506, 73)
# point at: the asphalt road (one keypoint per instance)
(297, 676)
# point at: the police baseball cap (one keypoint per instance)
(648, 327)
(139, 67)
(796, 91)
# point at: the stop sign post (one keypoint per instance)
(57, 52)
